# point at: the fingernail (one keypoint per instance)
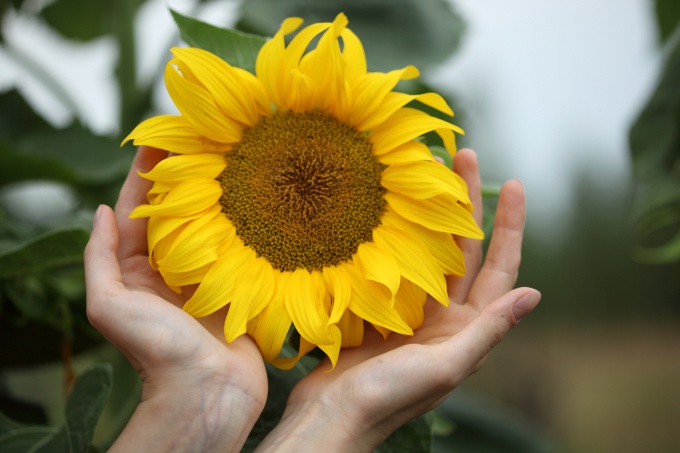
(97, 215)
(526, 304)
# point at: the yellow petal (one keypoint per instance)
(305, 303)
(420, 180)
(352, 328)
(439, 213)
(409, 303)
(353, 55)
(442, 246)
(216, 289)
(326, 68)
(187, 198)
(378, 265)
(253, 292)
(286, 363)
(175, 280)
(333, 350)
(416, 263)
(382, 331)
(407, 124)
(158, 191)
(394, 101)
(159, 228)
(295, 88)
(199, 108)
(273, 323)
(407, 153)
(220, 79)
(338, 285)
(197, 244)
(173, 133)
(269, 58)
(370, 92)
(175, 169)
(370, 303)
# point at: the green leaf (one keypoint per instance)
(443, 154)
(394, 33)
(414, 437)
(237, 48)
(83, 408)
(667, 17)
(19, 438)
(53, 249)
(31, 149)
(655, 147)
(655, 135)
(667, 253)
(83, 19)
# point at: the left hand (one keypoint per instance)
(199, 393)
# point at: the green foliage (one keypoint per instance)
(395, 33)
(51, 250)
(481, 426)
(415, 436)
(83, 408)
(667, 17)
(655, 147)
(84, 19)
(237, 48)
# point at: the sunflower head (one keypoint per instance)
(300, 196)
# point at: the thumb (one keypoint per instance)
(474, 342)
(102, 270)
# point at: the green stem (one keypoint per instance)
(126, 67)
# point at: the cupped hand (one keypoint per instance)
(380, 385)
(216, 389)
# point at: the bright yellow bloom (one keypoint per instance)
(300, 195)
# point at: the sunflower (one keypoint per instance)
(300, 195)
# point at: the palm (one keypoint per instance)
(155, 334)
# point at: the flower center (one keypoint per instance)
(303, 190)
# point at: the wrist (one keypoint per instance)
(318, 426)
(190, 416)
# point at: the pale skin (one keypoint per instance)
(202, 394)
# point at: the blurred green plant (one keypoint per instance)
(655, 147)
(42, 297)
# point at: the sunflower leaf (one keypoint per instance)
(83, 408)
(442, 154)
(53, 249)
(403, 29)
(17, 437)
(236, 48)
(655, 148)
(31, 149)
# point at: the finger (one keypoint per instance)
(132, 194)
(466, 166)
(499, 272)
(467, 349)
(102, 270)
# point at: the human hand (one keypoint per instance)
(199, 393)
(380, 385)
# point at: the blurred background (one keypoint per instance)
(578, 99)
